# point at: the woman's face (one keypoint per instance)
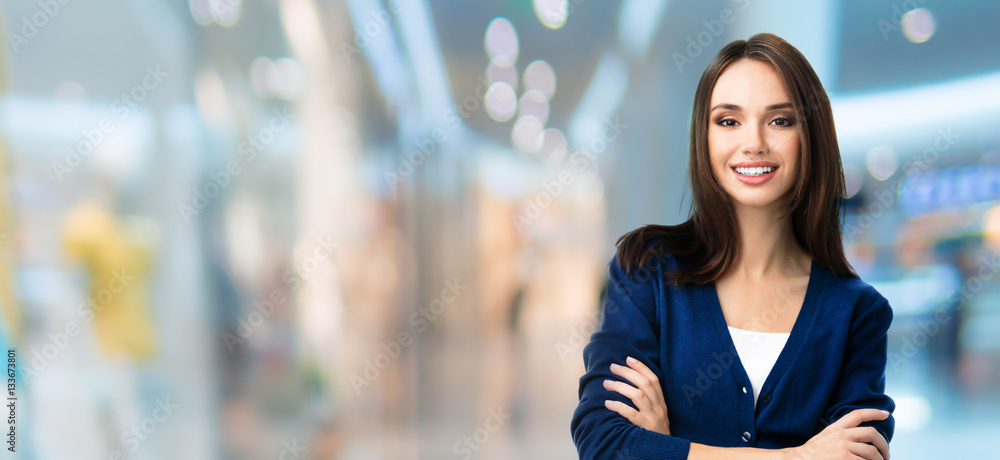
(753, 142)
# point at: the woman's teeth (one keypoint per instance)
(758, 171)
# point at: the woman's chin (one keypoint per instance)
(756, 201)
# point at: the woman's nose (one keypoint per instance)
(754, 141)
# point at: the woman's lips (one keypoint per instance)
(754, 180)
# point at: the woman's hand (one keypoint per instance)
(646, 395)
(845, 439)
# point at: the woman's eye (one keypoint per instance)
(728, 122)
(783, 121)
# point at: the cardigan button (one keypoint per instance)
(765, 398)
(744, 390)
(746, 436)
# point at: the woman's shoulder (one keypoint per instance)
(863, 298)
(651, 260)
(853, 286)
(644, 275)
(640, 286)
(645, 247)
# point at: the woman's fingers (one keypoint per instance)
(870, 435)
(650, 410)
(639, 375)
(624, 410)
(625, 389)
(859, 416)
(642, 369)
(631, 375)
(865, 451)
(846, 437)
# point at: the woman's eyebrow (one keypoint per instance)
(734, 107)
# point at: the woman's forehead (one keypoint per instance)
(749, 83)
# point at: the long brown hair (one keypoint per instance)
(708, 242)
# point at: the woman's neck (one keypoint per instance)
(768, 248)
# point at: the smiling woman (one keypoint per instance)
(743, 327)
(753, 134)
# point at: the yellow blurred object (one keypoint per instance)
(117, 261)
(10, 312)
(991, 228)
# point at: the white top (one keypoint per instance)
(758, 352)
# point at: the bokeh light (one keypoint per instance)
(200, 12)
(918, 25)
(538, 75)
(551, 13)
(496, 72)
(554, 146)
(853, 180)
(500, 101)
(226, 12)
(882, 162)
(526, 134)
(501, 42)
(534, 103)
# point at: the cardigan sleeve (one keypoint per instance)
(862, 377)
(628, 329)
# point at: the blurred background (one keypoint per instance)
(368, 229)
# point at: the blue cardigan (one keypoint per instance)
(833, 362)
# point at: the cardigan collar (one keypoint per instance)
(800, 330)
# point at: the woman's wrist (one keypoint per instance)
(705, 452)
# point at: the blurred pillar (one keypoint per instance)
(812, 27)
(648, 179)
(329, 190)
(438, 212)
(183, 316)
